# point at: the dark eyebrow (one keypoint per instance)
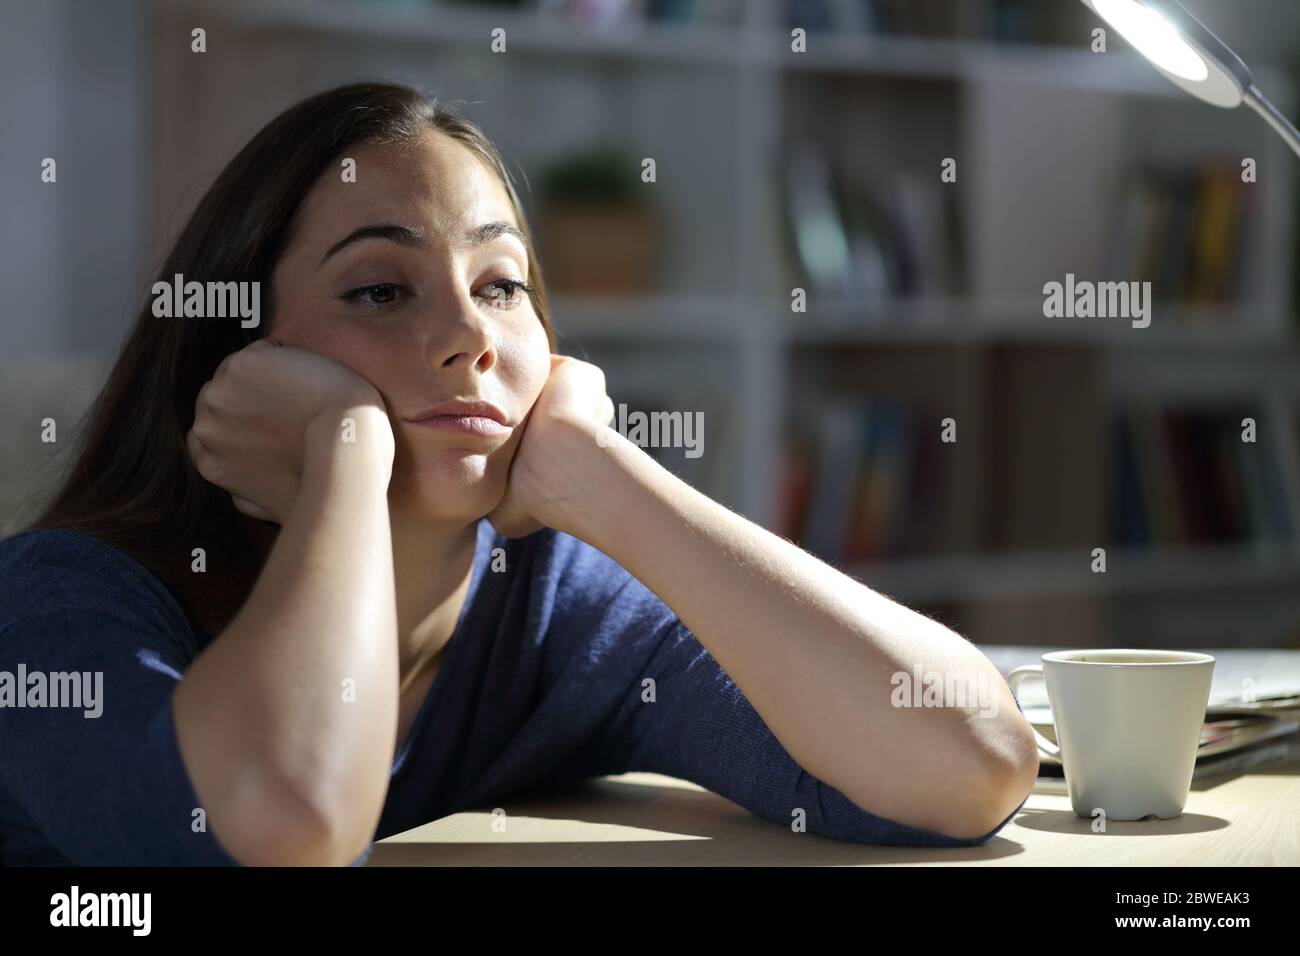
(492, 230)
(415, 238)
(401, 235)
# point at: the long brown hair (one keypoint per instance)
(132, 484)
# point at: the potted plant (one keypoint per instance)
(598, 227)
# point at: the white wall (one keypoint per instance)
(71, 88)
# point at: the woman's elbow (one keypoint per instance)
(1004, 767)
(280, 828)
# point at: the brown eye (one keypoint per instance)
(508, 293)
(379, 294)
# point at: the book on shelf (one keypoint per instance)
(815, 220)
(1182, 231)
(860, 485)
(1184, 477)
(850, 235)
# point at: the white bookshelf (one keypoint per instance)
(1020, 119)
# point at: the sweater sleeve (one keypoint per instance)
(694, 723)
(94, 761)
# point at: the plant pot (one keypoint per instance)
(598, 250)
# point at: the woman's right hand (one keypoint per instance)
(265, 407)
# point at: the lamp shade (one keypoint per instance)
(1180, 47)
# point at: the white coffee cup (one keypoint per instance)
(1128, 723)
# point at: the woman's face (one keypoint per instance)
(402, 277)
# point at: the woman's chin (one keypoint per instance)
(455, 488)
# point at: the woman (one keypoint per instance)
(272, 548)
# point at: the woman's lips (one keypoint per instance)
(464, 425)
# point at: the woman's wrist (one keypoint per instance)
(592, 472)
(357, 437)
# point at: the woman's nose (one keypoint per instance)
(460, 335)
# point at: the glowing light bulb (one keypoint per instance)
(1154, 37)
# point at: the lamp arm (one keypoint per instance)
(1260, 104)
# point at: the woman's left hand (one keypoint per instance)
(544, 475)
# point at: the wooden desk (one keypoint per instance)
(639, 819)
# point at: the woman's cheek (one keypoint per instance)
(540, 373)
(540, 364)
(526, 363)
(359, 350)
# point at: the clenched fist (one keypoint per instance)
(264, 405)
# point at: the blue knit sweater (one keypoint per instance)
(541, 683)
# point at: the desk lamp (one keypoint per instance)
(1180, 47)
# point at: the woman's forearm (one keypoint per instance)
(815, 652)
(287, 720)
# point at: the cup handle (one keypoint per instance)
(1045, 746)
